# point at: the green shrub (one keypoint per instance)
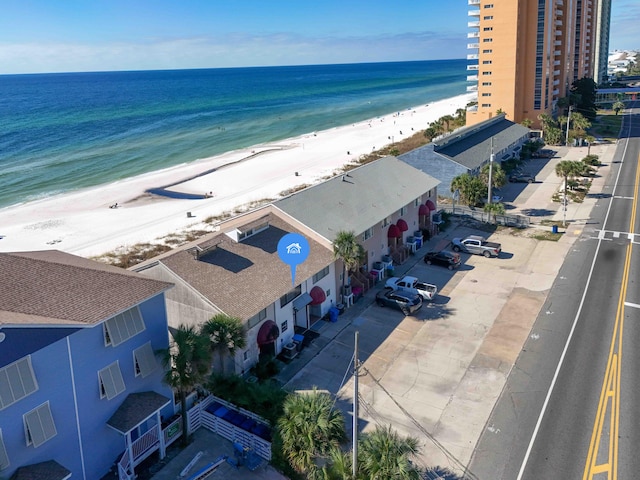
(591, 160)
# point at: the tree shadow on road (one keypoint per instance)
(441, 473)
(537, 212)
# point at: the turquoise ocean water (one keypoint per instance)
(62, 132)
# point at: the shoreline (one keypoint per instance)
(82, 223)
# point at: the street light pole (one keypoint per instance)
(566, 142)
(491, 159)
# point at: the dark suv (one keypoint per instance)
(406, 302)
(522, 178)
(444, 257)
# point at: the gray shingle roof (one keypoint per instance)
(57, 288)
(136, 408)
(359, 199)
(49, 470)
(242, 278)
(471, 147)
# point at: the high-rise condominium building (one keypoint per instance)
(525, 54)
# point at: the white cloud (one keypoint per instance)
(228, 51)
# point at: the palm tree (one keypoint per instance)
(447, 120)
(498, 176)
(471, 188)
(309, 428)
(589, 139)
(347, 249)
(580, 122)
(566, 169)
(617, 106)
(226, 335)
(385, 455)
(494, 209)
(187, 362)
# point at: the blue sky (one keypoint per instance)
(90, 35)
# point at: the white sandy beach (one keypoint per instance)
(82, 222)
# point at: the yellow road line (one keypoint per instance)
(610, 393)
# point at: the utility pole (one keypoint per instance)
(491, 159)
(356, 365)
(566, 142)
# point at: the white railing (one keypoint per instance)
(472, 67)
(472, 88)
(474, 13)
(123, 467)
(473, 45)
(145, 445)
(473, 24)
(472, 78)
(232, 432)
(473, 35)
(472, 56)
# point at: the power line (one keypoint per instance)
(424, 431)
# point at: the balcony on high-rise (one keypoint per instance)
(474, 24)
(556, 91)
(472, 78)
(557, 53)
(472, 56)
(556, 73)
(558, 33)
(473, 45)
(472, 88)
(472, 67)
(558, 23)
(556, 62)
(474, 13)
(556, 82)
(473, 35)
(557, 43)
(474, 2)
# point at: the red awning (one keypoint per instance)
(431, 206)
(394, 232)
(268, 332)
(318, 296)
(423, 210)
(402, 225)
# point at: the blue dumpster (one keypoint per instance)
(333, 314)
(554, 228)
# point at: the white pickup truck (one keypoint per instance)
(477, 245)
(412, 285)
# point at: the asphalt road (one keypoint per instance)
(571, 405)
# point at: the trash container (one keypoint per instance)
(298, 340)
(554, 228)
(341, 308)
(333, 314)
(390, 271)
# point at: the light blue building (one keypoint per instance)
(79, 380)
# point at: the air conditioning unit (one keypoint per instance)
(290, 350)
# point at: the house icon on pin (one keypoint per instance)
(294, 248)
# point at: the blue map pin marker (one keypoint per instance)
(293, 249)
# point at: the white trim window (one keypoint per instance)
(257, 319)
(368, 233)
(386, 222)
(321, 274)
(144, 360)
(111, 381)
(4, 458)
(403, 210)
(38, 425)
(123, 326)
(17, 381)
